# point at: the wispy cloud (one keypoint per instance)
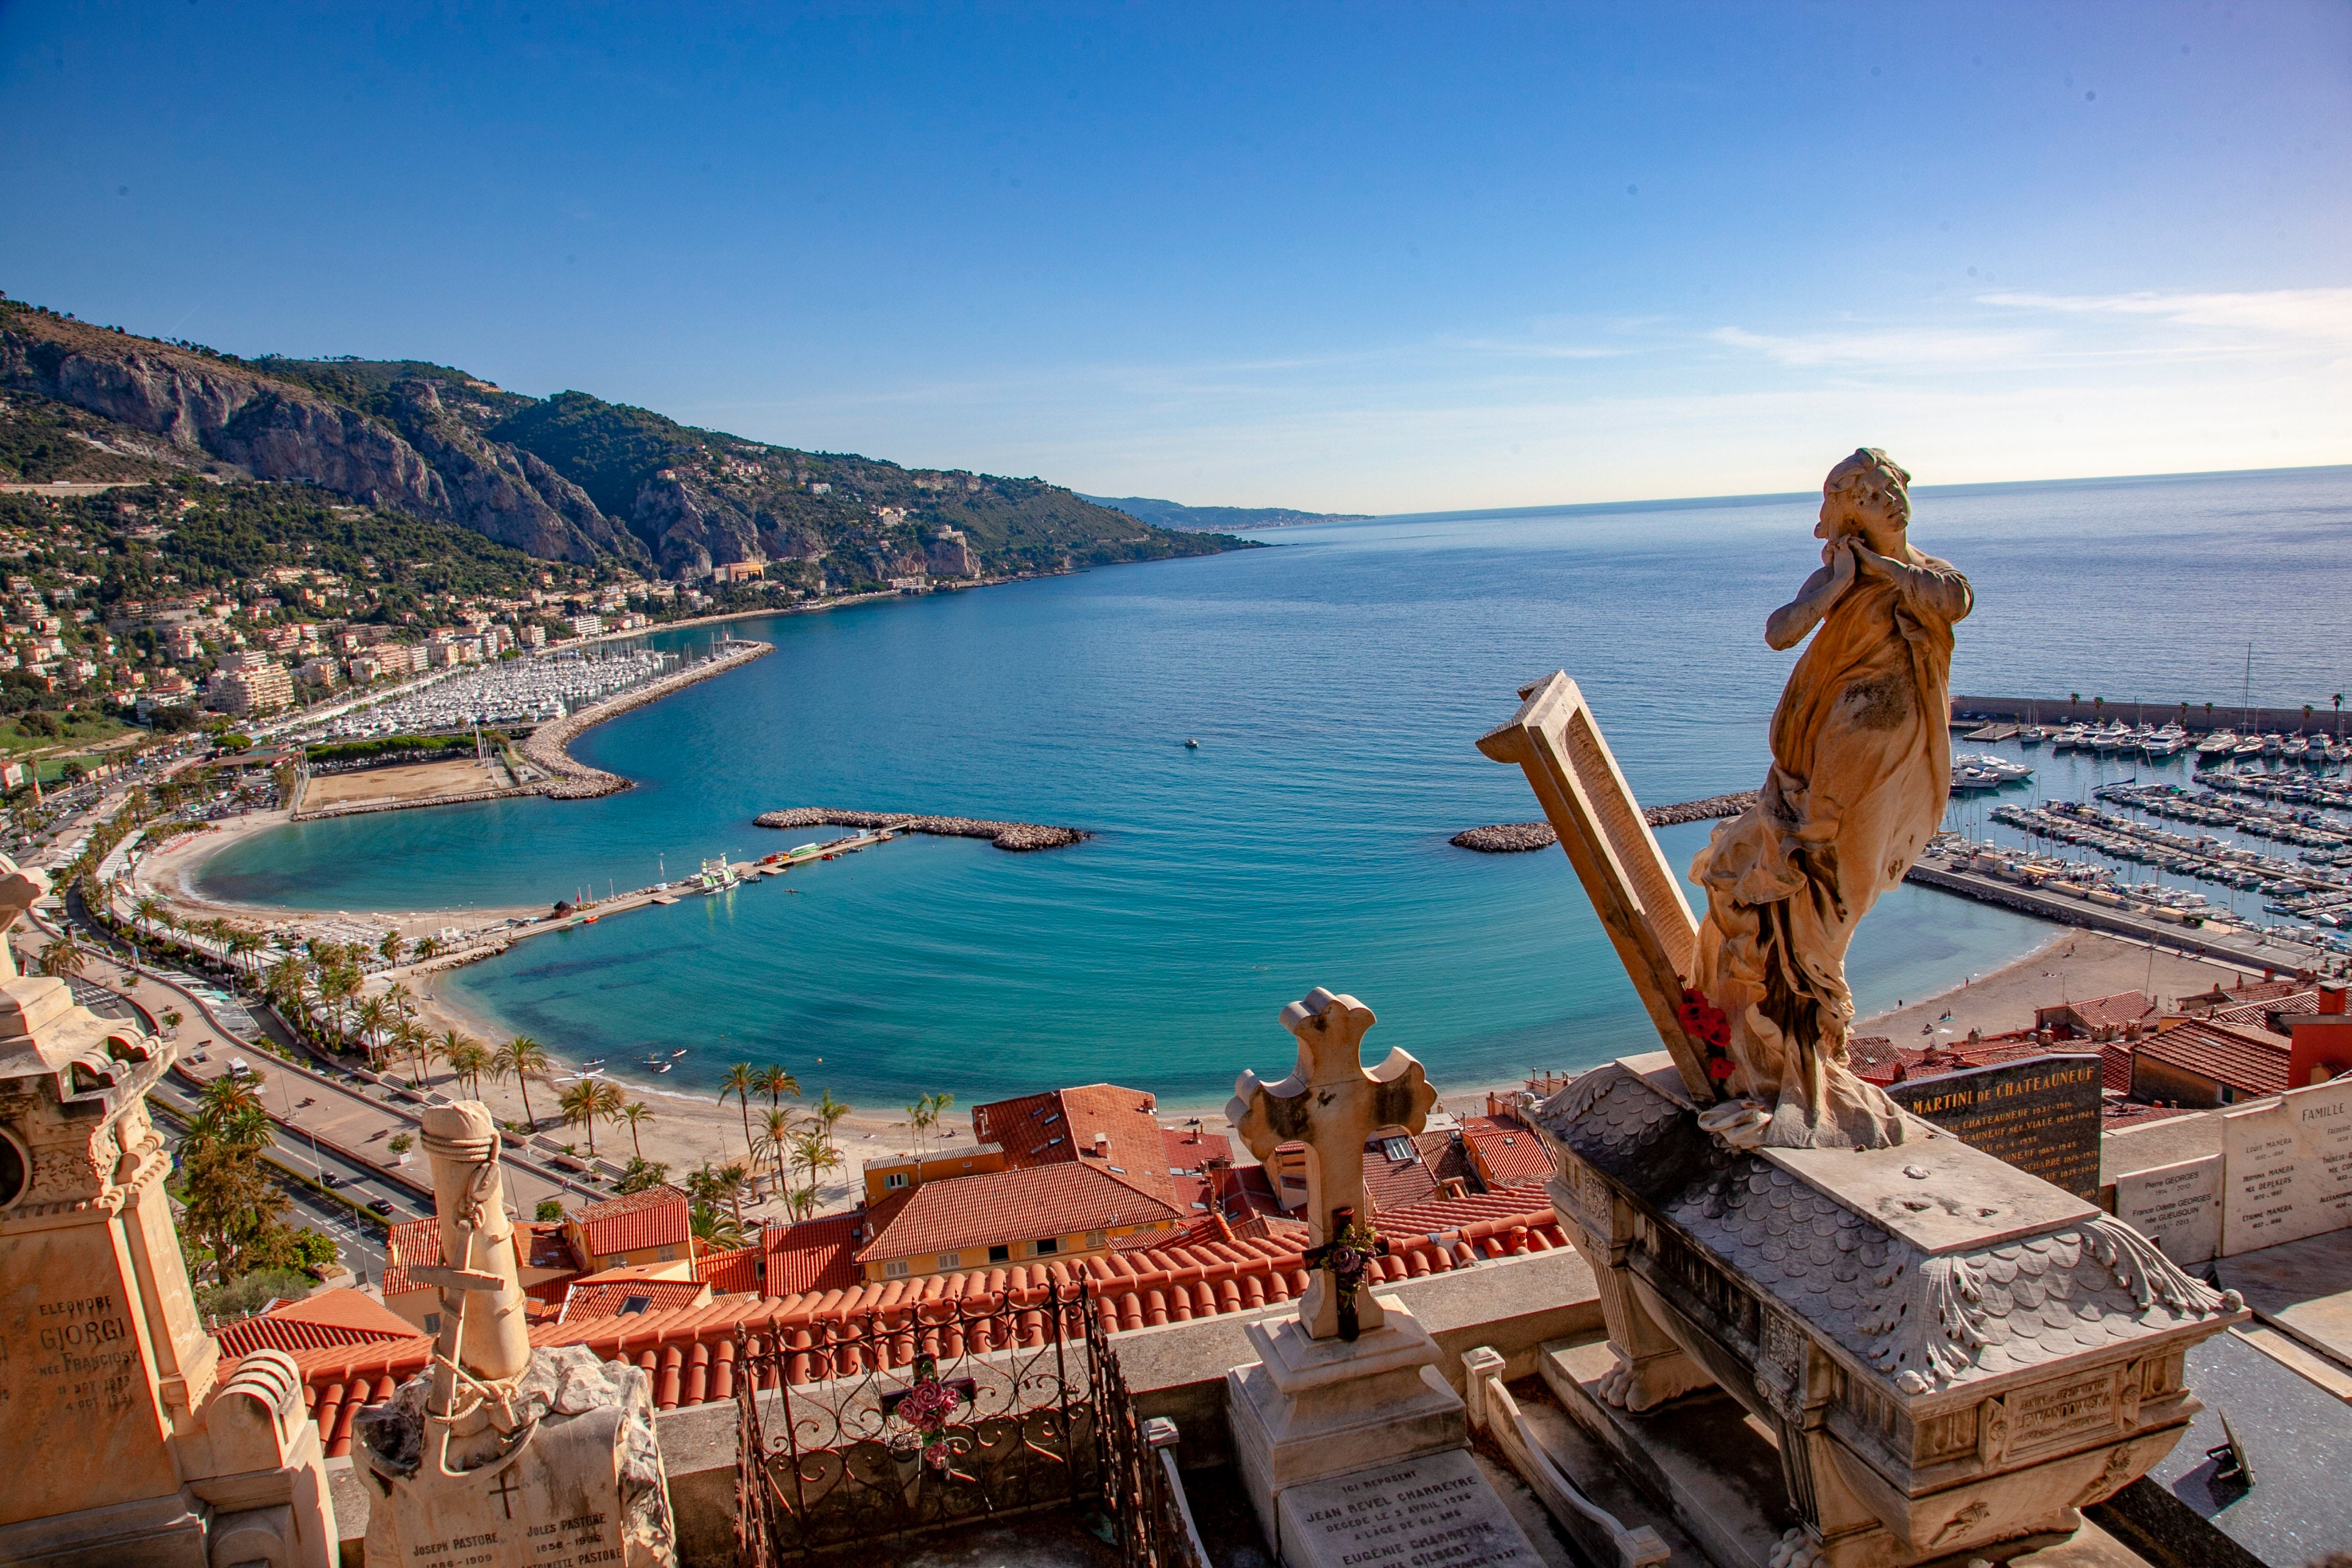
(1903, 347)
(2310, 314)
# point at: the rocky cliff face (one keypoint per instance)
(437, 469)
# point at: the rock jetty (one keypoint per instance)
(569, 779)
(1511, 837)
(1013, 835)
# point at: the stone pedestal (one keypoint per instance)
(580, 1479)
(1353, 1447)
(1950, 1356)
(119, 1449)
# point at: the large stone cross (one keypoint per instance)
(1332, 1105)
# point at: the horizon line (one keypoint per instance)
(1772, 498)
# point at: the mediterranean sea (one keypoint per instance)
(1335, 682)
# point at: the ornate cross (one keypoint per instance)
(1332, 1105)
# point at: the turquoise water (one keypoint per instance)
(1336, 683)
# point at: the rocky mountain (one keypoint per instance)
(568, 478)
(1216, 519)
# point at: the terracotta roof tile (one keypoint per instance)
(2249, 1060)
(342, 1317)
(999, 1207)
(2099, 1011)
(690, 1350)
(657, 1217)
(617, 1292)
(2115, 1066)
(817, 1254)
(1100, 1124)
(1507, 1150)
(731, 1273)
(1393, 1184)
(417, 1244)
(2270, 1013)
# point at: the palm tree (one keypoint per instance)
(427, 946)
(466, 1058)
(337, 986)
(775, 1083)
(716, 1231)
(374, 1020)
(827, 1111)
(390, 947)
(283, 980)
(742, 1083)
(775, 1140)
(242, 946)
(734, 1173)
(635, 1115)
(815, 1154)
(578, 1107)
(521, 1058)
(62, 957)
(924, 1114)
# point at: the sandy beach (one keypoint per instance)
(2072, 966)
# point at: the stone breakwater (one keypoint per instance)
(1510, 837)
(1013, 835)
(569, 779)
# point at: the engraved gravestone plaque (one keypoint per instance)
(2287, 1168)
(1433, 1510)
(2041, 1115)
(2176, 1207)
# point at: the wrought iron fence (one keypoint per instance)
(1142, 1491)
(913, 1418)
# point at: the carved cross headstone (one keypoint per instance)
(1331, 1104)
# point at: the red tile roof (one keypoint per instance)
(2099, 1011)
(1396, 1184)
(1187, 1147)
(1507, 1150)
(689, 1351)
(1000, 1206)
(2251, 1061)
(417, 1244)
(1243, 1190)
(2115, 1066)
(657, 1217)
(1101, 1123)
(608, 1294)
(731, 1273)
(342, 1317)
(2272, 1013)
(818, 1253)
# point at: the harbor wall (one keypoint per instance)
(2131, 711)
(571, 778)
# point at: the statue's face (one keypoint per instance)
(1872, 519)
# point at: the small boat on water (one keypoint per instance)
(1192, 745)
(679, 1052)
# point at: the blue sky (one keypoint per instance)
(1375, 258)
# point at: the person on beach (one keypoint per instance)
(1861, 773)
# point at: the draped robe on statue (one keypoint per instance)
(1861, 768)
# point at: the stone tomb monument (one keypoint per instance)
(1353, 1449)
(499, 1456)
(1953, 1356)
(122, 1445)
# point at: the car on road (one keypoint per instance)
(328, 1179)
(382, 1206)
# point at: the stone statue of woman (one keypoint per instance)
(1862, 767)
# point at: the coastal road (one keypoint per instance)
(352, 1123)
(362, 1245)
